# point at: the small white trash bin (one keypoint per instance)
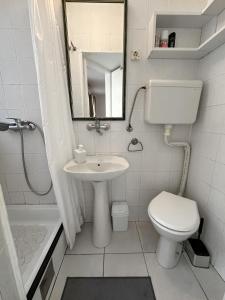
(120, 214)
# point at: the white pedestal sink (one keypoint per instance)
(98, 169)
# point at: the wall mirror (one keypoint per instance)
(95, 35)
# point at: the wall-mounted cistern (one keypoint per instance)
(98, 127)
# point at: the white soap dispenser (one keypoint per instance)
(80, 154)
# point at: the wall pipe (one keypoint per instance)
(187, 154)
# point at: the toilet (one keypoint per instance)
(175, 218)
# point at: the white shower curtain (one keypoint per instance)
(55, 111)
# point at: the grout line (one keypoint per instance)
(189, 266)
(124, 252)
(136, 223)
(103, 272)
(75, 254)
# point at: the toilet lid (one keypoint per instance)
(174, 212)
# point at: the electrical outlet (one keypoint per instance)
(135, 55)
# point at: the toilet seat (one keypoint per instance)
(174, 212)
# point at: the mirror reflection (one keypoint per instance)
(95, 38)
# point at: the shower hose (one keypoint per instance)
(24, 162)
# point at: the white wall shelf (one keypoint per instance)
(198, 34)
(181, 20)
(214, 8)
(208, 46)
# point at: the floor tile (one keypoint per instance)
(77, 266)
(124, 265)
(83, 243)
(125, 242)
(148, 235)
(175, 284)
(210, 281)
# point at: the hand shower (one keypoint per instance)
(19, 125)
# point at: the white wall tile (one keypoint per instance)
(133, 180)
(102, 145)
(10, 71)
(143, 213)
(8, 50)
(138, 14)
(146, 195)
(19, 14)
(216, 203)
(119, 188)
(16, 183)
(2, 97)
(22, 38)
(220, 258)
(218, 179)
(13, 96)
(30, 97)
(16, 198)
(132, 196)
(9, 143)
(11, 163)
(155, 180)
(28, 72)
(221, 153)
(5, 21)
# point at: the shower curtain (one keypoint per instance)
(55, 111)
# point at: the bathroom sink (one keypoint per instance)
(98, 168)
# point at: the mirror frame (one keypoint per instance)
(68, 60)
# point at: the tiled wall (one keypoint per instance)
(158, 167)
(206, 181)
(19, 98)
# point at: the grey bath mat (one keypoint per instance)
(108, 288)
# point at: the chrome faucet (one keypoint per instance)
(19, 124)
(98, 127)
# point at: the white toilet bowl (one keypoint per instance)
(175, 218)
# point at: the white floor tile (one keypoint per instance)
(210, 281)
(77, 266)
(84, 244)
(124, 265)
(125, 242)
(148, 235)
(173, 284)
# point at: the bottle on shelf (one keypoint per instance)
(164, 39)
(157, 39)
(172, 40)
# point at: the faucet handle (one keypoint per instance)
(17, 120)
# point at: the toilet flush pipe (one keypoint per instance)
(187, 154)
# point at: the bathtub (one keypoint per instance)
(34, 229)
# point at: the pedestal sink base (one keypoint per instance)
(102, 228)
